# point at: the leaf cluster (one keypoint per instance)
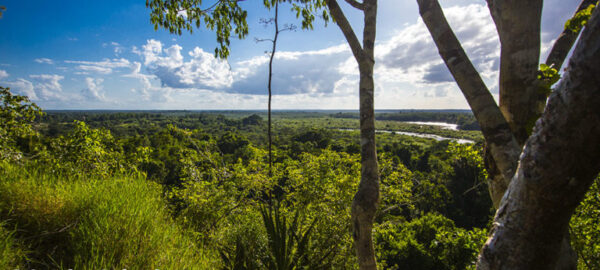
(226, 17)
(580, 19)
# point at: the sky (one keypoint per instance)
(74, 54)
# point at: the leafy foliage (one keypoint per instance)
(17, 114)
(548, 76)
(429, 242)
(224, 17)
(585, 231)
(580, 19)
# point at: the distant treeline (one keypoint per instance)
(464, 119)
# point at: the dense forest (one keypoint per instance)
(181, 190)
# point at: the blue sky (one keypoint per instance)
(106, 55)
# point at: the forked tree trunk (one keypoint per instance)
(469, 81)
(559, 163)
(366, 200)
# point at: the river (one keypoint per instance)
(414, 134)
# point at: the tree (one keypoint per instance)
(536, 193)
(366, 200)
(275, 21)
(17, 114)
(225, 15)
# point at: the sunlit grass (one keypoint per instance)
(86, 223)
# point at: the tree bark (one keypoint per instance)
(558, 165)
(366, 199)
(518, 24)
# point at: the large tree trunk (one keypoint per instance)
(501, 167)
(366, 200)
(558, 165)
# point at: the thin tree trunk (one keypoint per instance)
(269, 86)
(366, 200)
(559, 163)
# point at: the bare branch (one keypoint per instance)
(356, 4)
(257, 40)
(342, 22)
(494, 127)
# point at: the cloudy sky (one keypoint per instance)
(73, 54)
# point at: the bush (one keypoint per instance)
(94, 223)
(429, 242)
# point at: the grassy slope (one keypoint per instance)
(90, 224)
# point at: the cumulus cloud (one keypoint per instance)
(44, 87)
(44, 61)
(309, 72)
(93, 91)
(48, 87)
(106, 66)
(202, 70)
(413, 52)
(3, 74)
(23, 87)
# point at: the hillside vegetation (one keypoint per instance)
(177, 190)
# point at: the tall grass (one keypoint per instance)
(11, 252)
(90, 223)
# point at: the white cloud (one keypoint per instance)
(414, 56)
(42, 87)
(201, 71)
(48, 87)
(106, 66)
(144, 79)
(117, 48)
(94, 89)
(23, 87)
(44, 61)
(3, 74)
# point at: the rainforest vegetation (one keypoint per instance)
(181, 190)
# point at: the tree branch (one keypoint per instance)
(356, 4)
(342, 22)
(494, 127)
(565, 41)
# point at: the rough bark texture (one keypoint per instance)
(495, 129)
(558, 165)
(366, 200)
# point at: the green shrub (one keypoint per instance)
(94, 223)
(429, 242)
